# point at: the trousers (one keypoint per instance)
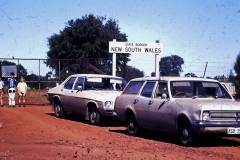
(11, 96)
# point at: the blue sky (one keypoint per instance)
(196, 30)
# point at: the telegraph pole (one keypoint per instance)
(205, 70)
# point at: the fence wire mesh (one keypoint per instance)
(39, 77)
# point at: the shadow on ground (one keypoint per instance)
(156, 136)
(107, 122)
(203, 141)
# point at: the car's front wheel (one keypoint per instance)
(94, 117)
(58, 110)
(132, 125)
(186, 134)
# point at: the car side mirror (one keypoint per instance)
(80, 88)
(164, 96)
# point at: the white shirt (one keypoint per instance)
(1, 84)
(22, 87)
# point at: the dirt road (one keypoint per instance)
(34, 133)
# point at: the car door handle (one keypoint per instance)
(150, 102)
(160, 106)
(135, 101)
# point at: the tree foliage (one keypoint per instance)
(131, 72)
(222, 78)
(84, 42)
(171, 65)
(190, 74)
(236, 80)
(237, 65)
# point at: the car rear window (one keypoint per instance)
(162, 88)
(198, 89)
(133, 87)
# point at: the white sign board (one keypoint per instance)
(7, 70)
(134, 47)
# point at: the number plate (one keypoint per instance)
(233, 131)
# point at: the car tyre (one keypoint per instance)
(186, 134)
(94, 117)
(132, 126)
(58, 110)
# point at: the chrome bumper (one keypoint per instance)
(214, 127)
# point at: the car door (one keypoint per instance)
(78, 100)
(67, 94)
(128, 98)
(143, 103)
(161, 112)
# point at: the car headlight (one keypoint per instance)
(205, 116)
(108, 105)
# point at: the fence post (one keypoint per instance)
(39, 85)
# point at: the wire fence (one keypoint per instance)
(40, 78)
(36, 72)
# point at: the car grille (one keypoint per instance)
(225, 116)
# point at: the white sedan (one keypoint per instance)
(90, 95)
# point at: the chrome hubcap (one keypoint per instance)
(57, 109)
(93, 116)
(131, 127)
(185, 134)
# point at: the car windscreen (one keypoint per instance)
(99, 83)
(198, 89)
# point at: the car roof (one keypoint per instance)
(166, 78)
(95, 75)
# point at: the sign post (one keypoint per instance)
(157, 60)
(114, 61)
(135, 48)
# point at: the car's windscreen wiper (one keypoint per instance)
(194, 97)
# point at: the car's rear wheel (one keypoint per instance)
(186, 134)
(94, 116)
(132, 125)
(58, 110)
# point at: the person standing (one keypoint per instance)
(11, 90)
(1, 92)
(22, 91)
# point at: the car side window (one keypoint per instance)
(162, 89)
(148, 89)
(133, 87)
(80, 82)
(69, 83)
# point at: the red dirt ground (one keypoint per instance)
(34, 97)
(34, 133)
